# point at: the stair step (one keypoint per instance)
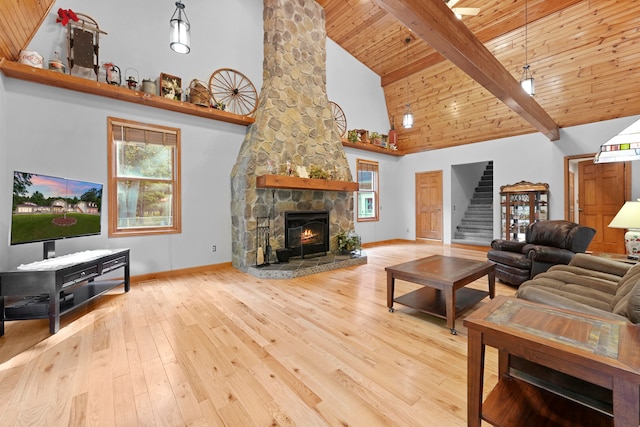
(486, 231)
(477, 221)
(481, 215)
(485, 189)
(472, 242)
(470, 234)
(475, 227)
(481, 219)
(473, 237)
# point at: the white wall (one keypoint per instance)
(223, 35)
(529, 157)
(63, 133)
(356, 89)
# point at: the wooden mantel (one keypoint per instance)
(79, 84)
(296, 183)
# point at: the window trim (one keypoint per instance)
(114, 231)
(368, 165)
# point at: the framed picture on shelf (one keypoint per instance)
(170, 86)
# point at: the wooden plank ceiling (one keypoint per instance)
(19, 22)
(584, 54)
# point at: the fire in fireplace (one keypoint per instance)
(306, 232)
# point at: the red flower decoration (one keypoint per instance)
(64, 15)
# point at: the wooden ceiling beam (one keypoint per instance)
(498, 29)
(436, 24)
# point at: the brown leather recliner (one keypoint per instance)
(546, 243)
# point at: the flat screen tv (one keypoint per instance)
(47, 208)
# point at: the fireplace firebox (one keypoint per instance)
(306, 232)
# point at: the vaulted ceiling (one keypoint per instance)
(584, 54)
(460, 76)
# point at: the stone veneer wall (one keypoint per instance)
(293, 123)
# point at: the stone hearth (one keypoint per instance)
(298, 267)
(294, 124)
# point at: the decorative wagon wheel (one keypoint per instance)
(234, 90)
(339, 117)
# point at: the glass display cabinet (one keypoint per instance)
(520, 205)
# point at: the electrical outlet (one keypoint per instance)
(213, 248)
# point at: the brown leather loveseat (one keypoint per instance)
(546, 243)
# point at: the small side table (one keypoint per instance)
(596, 350)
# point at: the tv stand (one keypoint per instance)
(58, 290)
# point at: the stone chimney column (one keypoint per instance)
(294, 123)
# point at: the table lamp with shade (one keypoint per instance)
(629, 217)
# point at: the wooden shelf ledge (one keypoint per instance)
(372, 148)
(296, 183)
(79, 84)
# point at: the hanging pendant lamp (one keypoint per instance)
(407, 118)
(180, 35)
(527, 81)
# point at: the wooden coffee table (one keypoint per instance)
(443, 279)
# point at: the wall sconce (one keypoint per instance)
(180, 35)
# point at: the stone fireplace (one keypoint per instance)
(293, 124)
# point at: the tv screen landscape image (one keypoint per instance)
(47, 208)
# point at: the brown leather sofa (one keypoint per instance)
(546, 243)
(589, 284)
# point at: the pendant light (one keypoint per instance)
(180, 35)
(407, 119)
(527, 80)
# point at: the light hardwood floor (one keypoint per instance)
(223, 348)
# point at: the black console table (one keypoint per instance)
(52, 292)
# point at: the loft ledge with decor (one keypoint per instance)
(121, 93)
(297, 183)
(372, 148)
